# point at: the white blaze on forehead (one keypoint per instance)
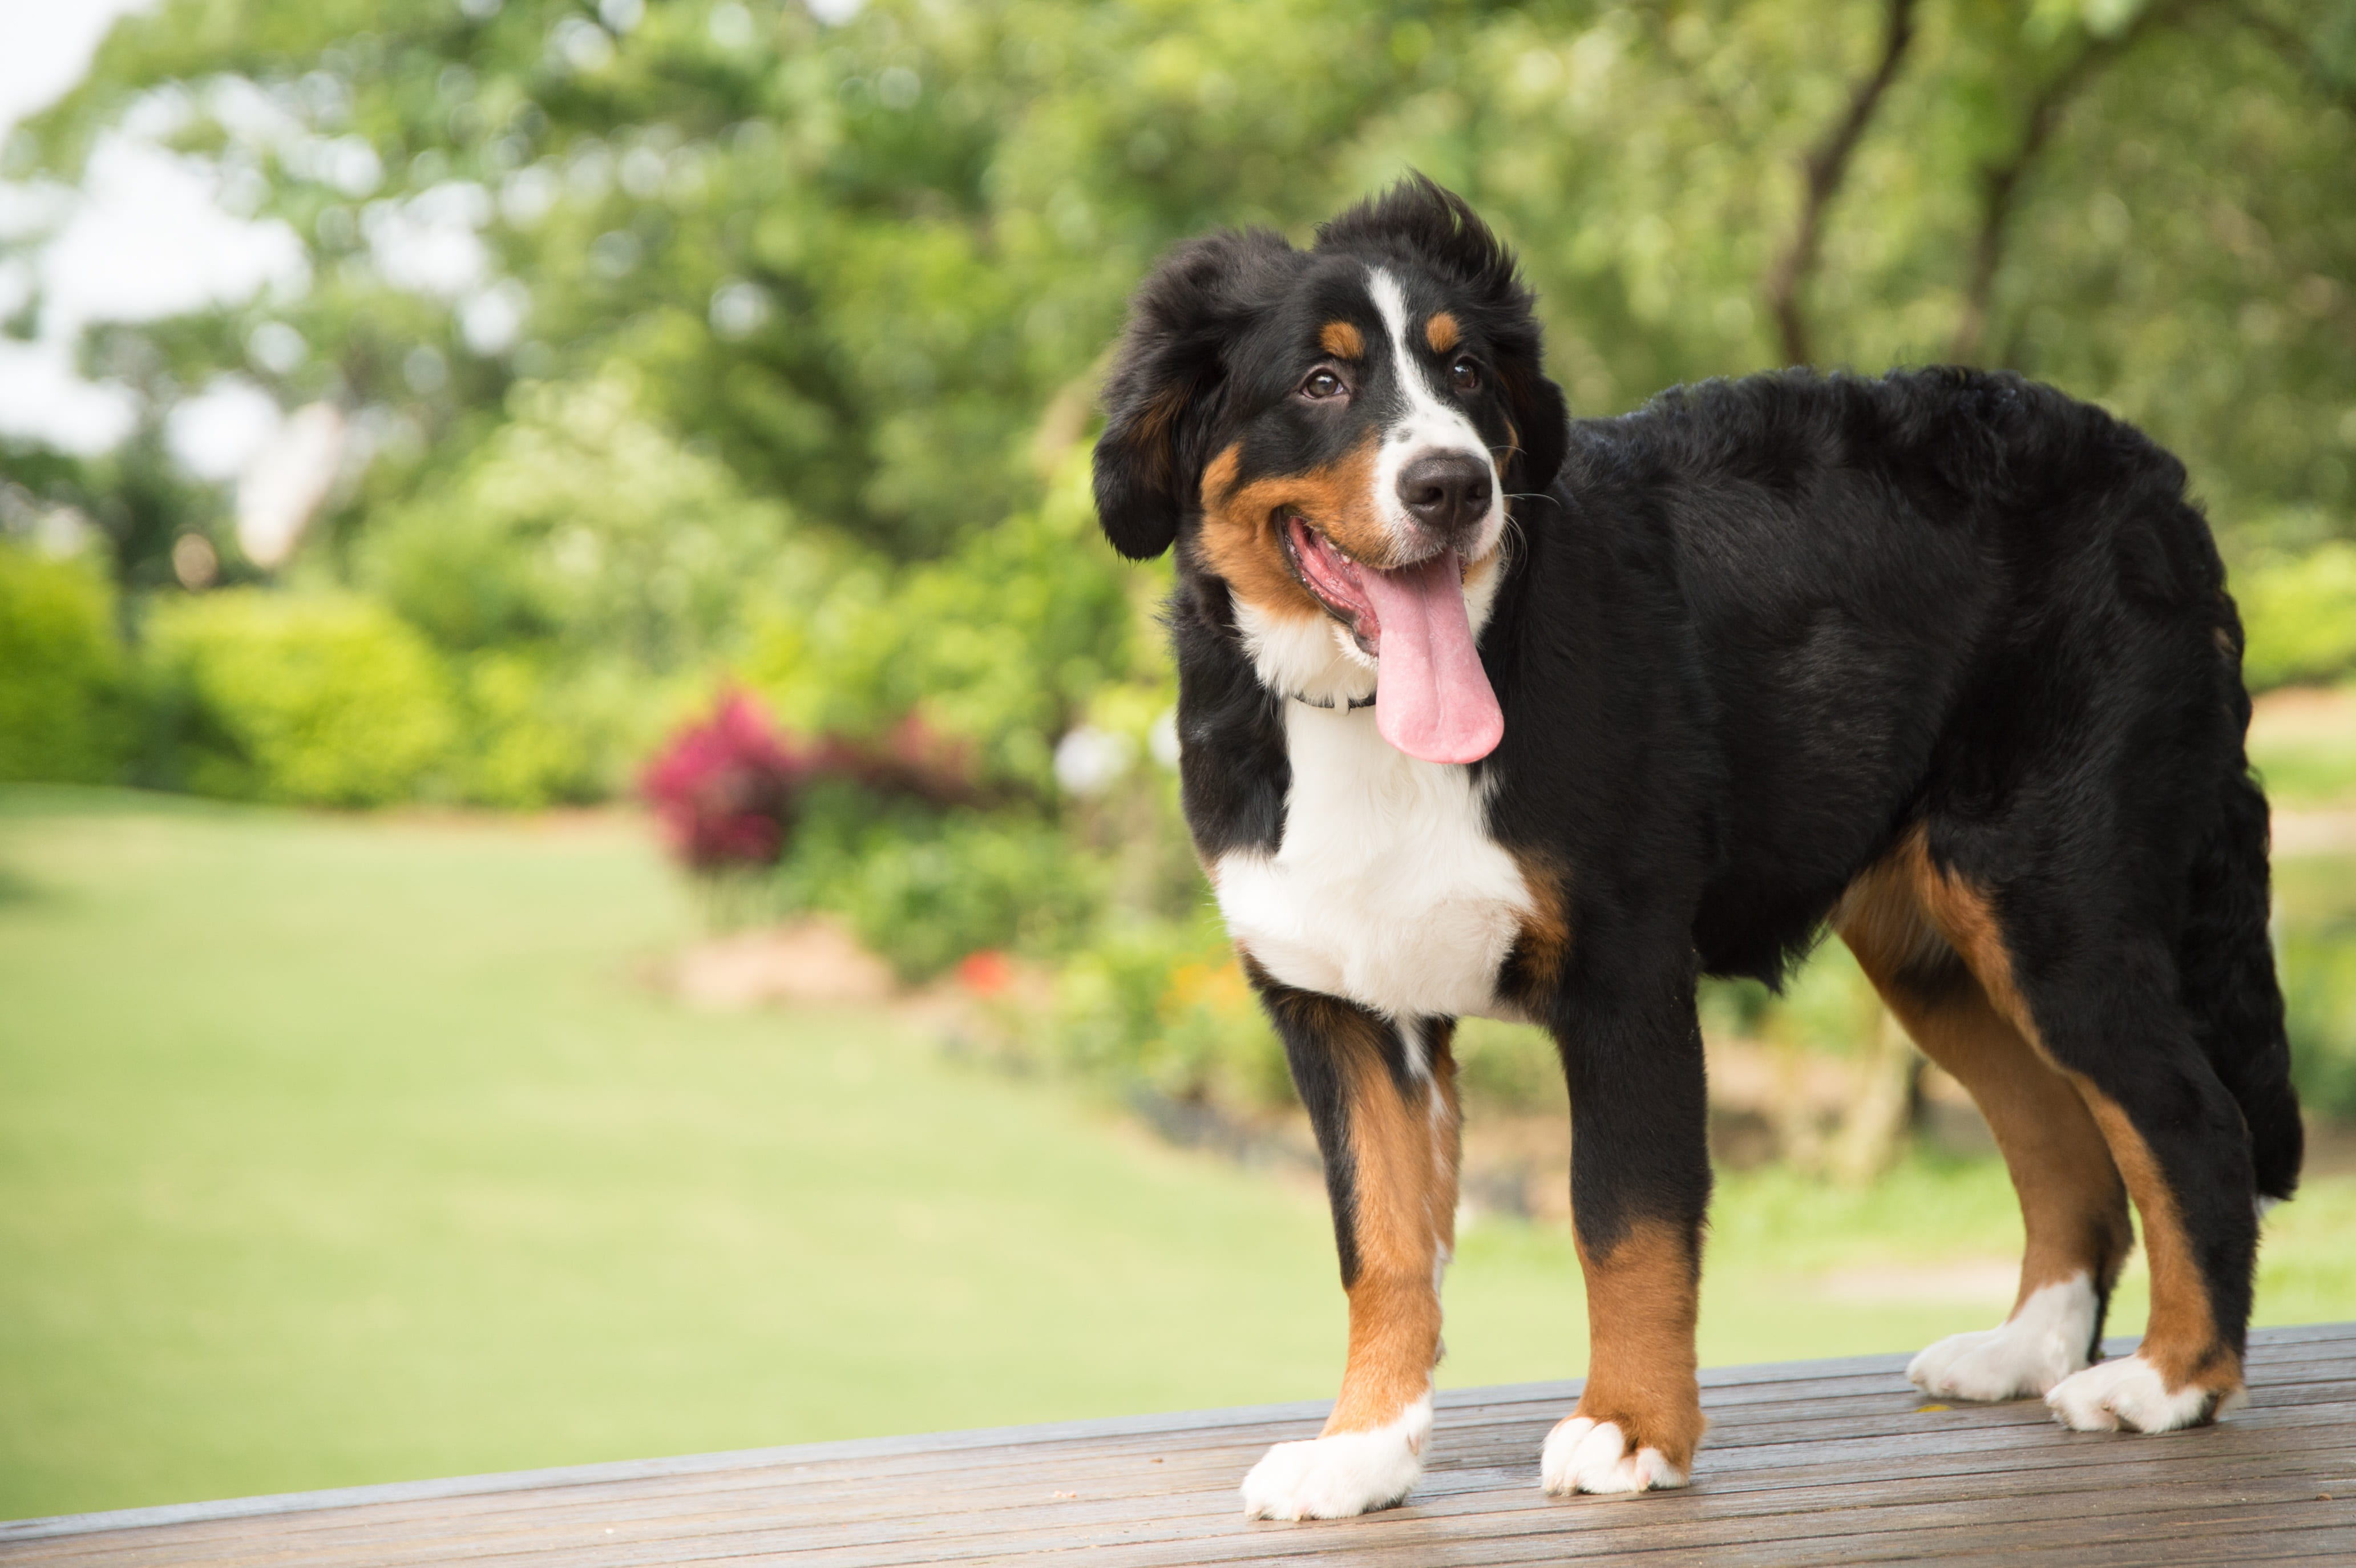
(1426, 427)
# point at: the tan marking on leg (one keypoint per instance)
(1342, 340)
(1642, 1302)
(1240, 538)
(1403, 1148)
(1441, 332)
(2180, 1338)
(2073, 1204)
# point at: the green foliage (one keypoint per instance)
(1001, 644)
(64, 707)
(581, 525)
(2299, 615)
(864, 261)
(924, 889)
(2318, 979)
(316, 700)
(1161, 1006)
(1506, 1067)
(535, 735)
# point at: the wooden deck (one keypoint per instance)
(1822, 1462)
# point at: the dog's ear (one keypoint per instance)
(1422, 220)
(1167, 385)
(1541, 417)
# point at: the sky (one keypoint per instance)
(142, 238)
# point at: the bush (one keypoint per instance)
(582, 529)
(312, 700)
(537, 736)
(1000, 646)
(2319, 979)
(2299, 615)
(925, 887)
(1166, 1006)
(64, 708)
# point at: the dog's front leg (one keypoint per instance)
(1639, 1190)
(1382, 1097)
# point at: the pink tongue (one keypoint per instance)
(1431, 697)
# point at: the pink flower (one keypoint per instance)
(725, 789)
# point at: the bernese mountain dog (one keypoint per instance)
(1484, 710)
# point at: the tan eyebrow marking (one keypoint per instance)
(1341, 338)
(1440, 332)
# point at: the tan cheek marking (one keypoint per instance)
(1643, 1299)
(1440, 332)
(1241, 546)
(1342, 340)
(2074, 1207)
(2181, 1337)
(1404, 1192)
(1239, 539)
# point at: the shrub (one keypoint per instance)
(64, 708)
(924, 887)
(2319, 979)
(583, 528)
(536, 735)
(312, 700)
(2299, 614)
(726, 790)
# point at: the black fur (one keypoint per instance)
(1750, 638)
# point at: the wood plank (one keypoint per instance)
(1818, 1462)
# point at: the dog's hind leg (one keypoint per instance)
(1382, 1095)
(2097, 995)
(2073, 1206)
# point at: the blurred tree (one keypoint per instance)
(861, 260)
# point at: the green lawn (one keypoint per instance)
(336, 1151)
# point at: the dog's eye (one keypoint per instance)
(1464, 376)
(1322, 383)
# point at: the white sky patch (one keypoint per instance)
(148, 240)
(493, 320)
(49, 48)
(40, 395)
(429, 244)
(216, 433)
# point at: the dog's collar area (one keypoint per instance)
(1356, 703)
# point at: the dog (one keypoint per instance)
(1484, 710)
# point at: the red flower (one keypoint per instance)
(726, 791)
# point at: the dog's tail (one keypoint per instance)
(2227, 966)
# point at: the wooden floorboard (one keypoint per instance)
(1816, 1463)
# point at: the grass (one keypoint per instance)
(336, 1151)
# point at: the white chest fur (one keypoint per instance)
(1387, 888)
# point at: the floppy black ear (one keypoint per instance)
(1422, 220)
(1541, 416)
(1167, 381)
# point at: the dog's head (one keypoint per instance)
(1338, 434)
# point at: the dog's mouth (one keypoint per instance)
(1432, 698)
(1334, 578)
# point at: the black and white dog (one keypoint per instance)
(1488, 711)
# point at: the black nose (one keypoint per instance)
(1448, 492)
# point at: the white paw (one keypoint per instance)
(1586, 1456)
(2129, 1392)
(1335, 1478)
(2039, 1346)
